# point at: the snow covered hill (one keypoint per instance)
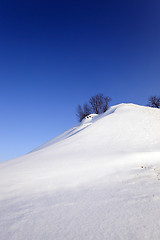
(99, 180)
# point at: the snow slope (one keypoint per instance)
(99, 180)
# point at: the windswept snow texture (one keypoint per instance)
(99, 180)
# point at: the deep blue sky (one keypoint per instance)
(54, 55)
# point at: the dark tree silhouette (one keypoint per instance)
(154, 101)
(97, 104)
(82, 112)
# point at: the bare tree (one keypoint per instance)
(154, 101)
(82, 112)
(97, 104)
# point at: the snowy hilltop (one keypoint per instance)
(99, 180)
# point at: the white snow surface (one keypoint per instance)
(98, 181)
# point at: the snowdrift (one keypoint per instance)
(99, 180)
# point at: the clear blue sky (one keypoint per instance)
(54, 55)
